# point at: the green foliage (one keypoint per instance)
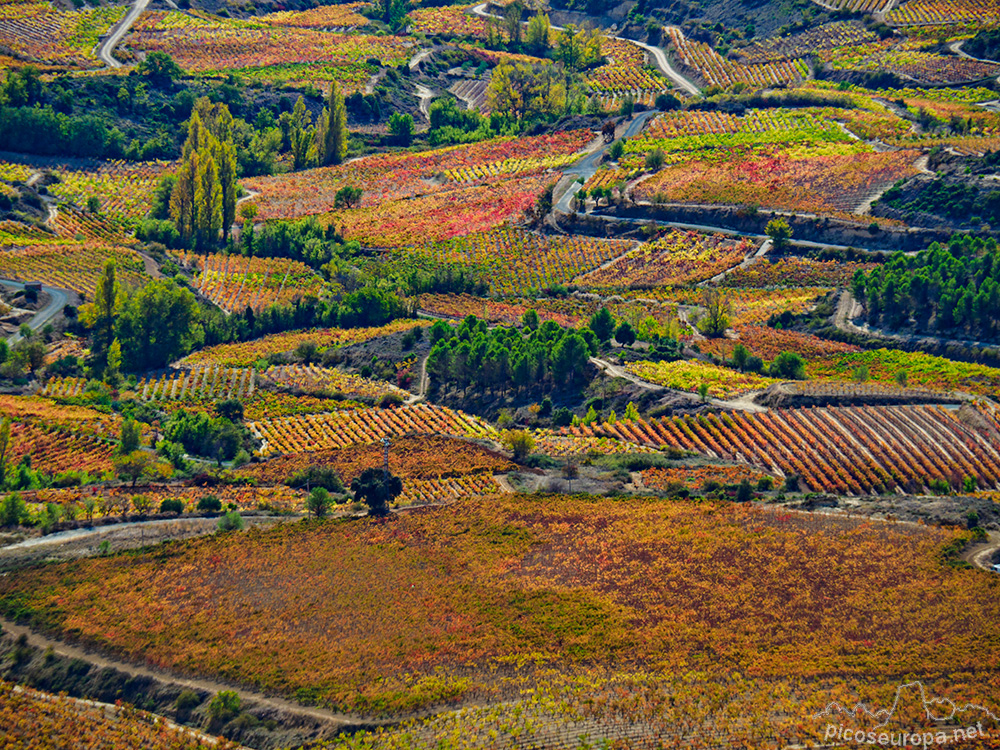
(225, 705)
(130, 437)
(319, 502)
(376, 488)
(625, 334)
(172, 505)
(603, 325)
(13, 510)
(475, 355)
(160, 67)
(780, 234)
(948, 288)
(401, 127)
(209, 504)
(231, 521)
(788, 365)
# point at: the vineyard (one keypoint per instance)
(449, 21)
(32, 719)
(690, 375)
(846, 450)
(124, 190)
(425, 457)
(245, 354)
(921, 370)
(696, 477)
(934, 12)
(313, 432)
(235, 283)
(385, 178)
(627, 72)
(770, 272)
(516, 261)
(718, 71)
(54, 449)
(38, 32)
(572, 573)
(75, 267)
(835, 184)
(679, 132)
(767, 343)
(212, 45)
(680, 257)
(313, 379)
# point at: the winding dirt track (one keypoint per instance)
(249, 697)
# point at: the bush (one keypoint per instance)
(519, 442)
(225, 705)
(232, 521)
(172, 505)
(187, 701)
(210, 504)
(13, 510)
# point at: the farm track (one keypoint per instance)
(58, 298)
(848, 309)
(980, 555)
(657, 52)
(107, 48)
(250, 698)
(743, 403)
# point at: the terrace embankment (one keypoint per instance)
(823, 230)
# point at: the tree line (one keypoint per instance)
(536, 357)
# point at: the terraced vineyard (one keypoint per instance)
(75, 267)
(313, 379)
(320, 431)
(235, 283)
(849, 450)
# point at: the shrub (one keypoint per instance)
(172, 505)
(210, 504)
(187, 700)
(232, 521)
(519, 442)
(225, 705)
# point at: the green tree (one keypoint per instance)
(13, 510)
(376, 488)
(157, 325)
(789, 365)
(741, 356)
(302, 135)
(4, 448)
(319, 502)
(603, 325)
(401, 127)
(537, 37)
(160, 67)
(130, 437)
(780, 234)
(530, 319)
(625, 334)
(112, 373)
(518, 442)
(347, 197)
(134, 466)
(101, 314)
(334, 131)
(717, 312)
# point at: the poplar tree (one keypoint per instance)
(333, 145)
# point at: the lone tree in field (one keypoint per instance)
(780, 234)
(378, 488)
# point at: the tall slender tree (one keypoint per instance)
(333, 145)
